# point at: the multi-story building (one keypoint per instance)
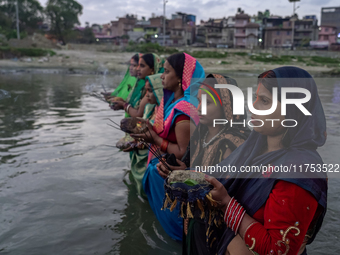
(246, 32)
(305, 30)
(278, 32)
(328, 33)
(216, 32)
(123, 25)
(330, 16)
(180, 30)
(327, 37)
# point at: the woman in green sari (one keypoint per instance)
(139, 157)
(149, 64)
(129, 81)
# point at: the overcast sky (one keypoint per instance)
(104, 11)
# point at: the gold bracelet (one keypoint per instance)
(251, 224)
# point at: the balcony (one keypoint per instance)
(240, 35)
(327, 33)
(305, 29)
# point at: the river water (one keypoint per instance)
(65, 190)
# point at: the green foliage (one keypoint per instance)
(30, 13)
(325, 60)
(63, 15)
(241, 53)
(305, 42)
(149, 47)
(225, 63)
(125, 37)
(209, 54)
(29, 52)
(88, 36)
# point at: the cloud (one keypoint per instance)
(104, 11)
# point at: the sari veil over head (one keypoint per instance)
(139, 158)
(138, 91)
(253, 189)
(127, 84)
(193, 74)
(231, 137)
(157, 89)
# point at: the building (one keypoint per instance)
(123, 25)
(327, 37)
(328, 33)
(278, 32)
(228, 31)
(305, 30)
(245, 32)
(330, 16)
(210, 32)
(216, 32)
(182, 28)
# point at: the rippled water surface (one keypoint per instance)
(64, 190)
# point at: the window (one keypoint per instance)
(288, 32)
(277, 32)
(326, 30)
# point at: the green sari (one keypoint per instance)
(138, 91)
(124, 88)
(139, 158)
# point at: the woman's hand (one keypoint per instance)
(117, 105)
(130, 148)
(164, 171)
(149, 136)
(219, 193)
(107, 95)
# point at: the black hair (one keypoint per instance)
(135, 58)
(149, 60)
(177, 62)
(268, 79)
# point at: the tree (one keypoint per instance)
(30, 14)
(88, 36)
(63, 15)
(262, 15)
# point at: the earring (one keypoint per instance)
(180, 84)
(152, 73)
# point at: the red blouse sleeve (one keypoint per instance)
(172, 135)
(288, 213)
(181, 117)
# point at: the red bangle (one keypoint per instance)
(238, 212)
(125, 105)
(240, 220)
(232, 212)
(164, 145)
(232, 204)
(226, 211)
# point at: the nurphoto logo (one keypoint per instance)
(238, 104)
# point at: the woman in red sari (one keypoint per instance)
(276, 212)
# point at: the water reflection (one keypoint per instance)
(63, 191)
